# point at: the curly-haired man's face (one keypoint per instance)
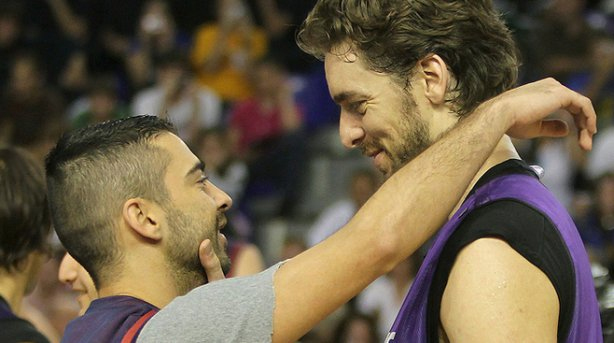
(377, 115)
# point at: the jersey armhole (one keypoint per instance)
(526, 230)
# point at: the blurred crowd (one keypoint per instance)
(256, 110)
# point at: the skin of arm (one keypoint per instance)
(495, 295)
(413, 203)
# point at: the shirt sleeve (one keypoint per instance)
(231, 310)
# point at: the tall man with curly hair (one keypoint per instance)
(509, 265)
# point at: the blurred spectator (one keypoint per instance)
(59, 30)
(280, 19)
(564, 165)
(32, 113)
(269, 114)
(554, 156)
(293, 245)
(356, 328)
(383, 298)
(111, 28)
(100, 104)
(266, 131)
(25, 225)
(156, 36)
(224, 51)
(112, 25)
(564, 39)
(69, 16)
(177, 97)
(246, 259)
(63, 21)
(191, 14)
(11, 37)
(224, 168)
(601, 158)
(597, 226)
(227, 172)
(602, 63)
(363, 184)
(573, 52)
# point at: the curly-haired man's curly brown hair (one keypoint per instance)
(393, 35)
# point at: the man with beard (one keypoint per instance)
(133, 205)
(509, 265)
(126, 192)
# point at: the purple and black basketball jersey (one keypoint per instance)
(411, 322)
(116, 319)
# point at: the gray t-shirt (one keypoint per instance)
(233, 310)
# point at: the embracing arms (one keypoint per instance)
(406, 210)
